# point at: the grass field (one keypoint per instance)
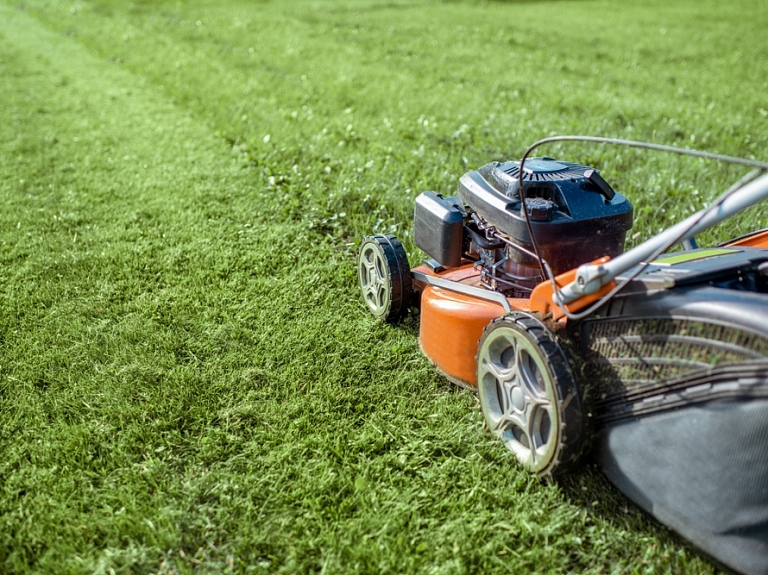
(187, 379)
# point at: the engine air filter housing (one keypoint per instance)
(575, 214)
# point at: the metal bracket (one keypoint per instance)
(457, 287)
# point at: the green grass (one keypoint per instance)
(188, 381)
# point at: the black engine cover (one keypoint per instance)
(576, 216)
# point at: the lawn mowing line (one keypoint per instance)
(73, 79)
(114, 103)
(88, 90)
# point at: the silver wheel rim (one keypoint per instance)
(374, 279)
(517, 396)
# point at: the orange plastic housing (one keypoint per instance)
(542, 298)
(452, 323)
(756, 240)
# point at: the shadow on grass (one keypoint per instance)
(409, 324)
(591, 490)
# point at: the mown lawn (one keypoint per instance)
(187, 379)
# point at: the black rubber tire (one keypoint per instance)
(384, 277)
(537, 380)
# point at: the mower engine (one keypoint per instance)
(575, 215)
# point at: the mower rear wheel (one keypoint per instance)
(384, 277)
(528, 394)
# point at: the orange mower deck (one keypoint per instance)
(452, 323)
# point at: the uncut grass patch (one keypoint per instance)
(188, 380)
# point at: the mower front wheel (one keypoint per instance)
(528, 394)
(384, 277)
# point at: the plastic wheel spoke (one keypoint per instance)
(369, 279)
(511, 419)
(499, 372)
(507, 406)
(367, 268)
(528, 377)
(381, 294)
(537, 401)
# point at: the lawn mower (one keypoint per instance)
(655, 362)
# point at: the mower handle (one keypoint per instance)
(591, 277)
